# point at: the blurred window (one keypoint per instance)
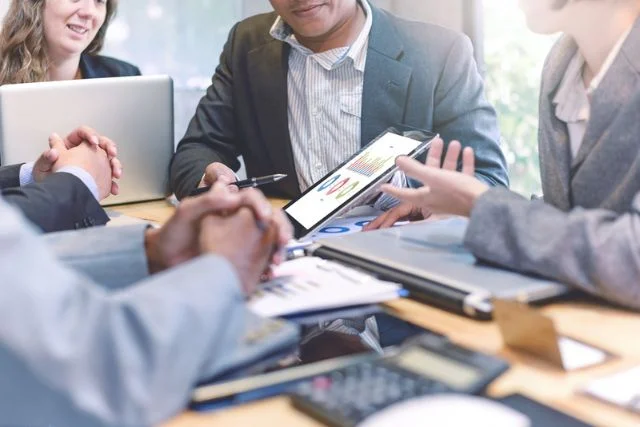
(514, 57)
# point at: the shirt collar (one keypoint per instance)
(572, 98)
(609, 61)
(357, 52)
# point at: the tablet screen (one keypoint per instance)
(357, 174)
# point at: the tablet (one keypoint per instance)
(353, 182)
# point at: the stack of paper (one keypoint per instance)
(311, 284)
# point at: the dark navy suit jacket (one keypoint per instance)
(62, 201)
(98, 66)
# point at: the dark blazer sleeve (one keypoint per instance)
(462, 112)
(10, 176)
(60, 202)
(211, 135)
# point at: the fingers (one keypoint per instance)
(222, 198)
(285, 234)
(413, 168)
(115, 188)
(55, 142)
(217, 171)
(468, 162)
(451, 158)
(389, 218)
(81, 134)
(51, 156)
(116, 168)
(254, 199)
(412, 196)
(216, 200)
(435, 153)
(108, 146)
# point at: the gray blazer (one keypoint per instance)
(74, 351)
(416, 74)
(587, 233)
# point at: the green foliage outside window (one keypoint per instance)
(514, 57)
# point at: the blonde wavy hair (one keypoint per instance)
(23, 53)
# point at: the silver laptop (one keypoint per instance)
(135, 112)
(430, 260)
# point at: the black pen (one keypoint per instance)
(245, 183)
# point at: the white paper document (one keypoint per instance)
(577, 355)
(311, 284)
(621, 389)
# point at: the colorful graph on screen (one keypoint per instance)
(368, 164)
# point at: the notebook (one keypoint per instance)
(135, 112)
(313, 284)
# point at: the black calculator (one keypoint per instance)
(428, 365)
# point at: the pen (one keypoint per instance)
(249, 182)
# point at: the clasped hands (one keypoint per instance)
(240, 226)
(86, 149)
(444, 192)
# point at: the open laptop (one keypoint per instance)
(430, 260)
(135, 112)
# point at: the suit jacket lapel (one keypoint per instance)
(615, 91)
(555, 153)
(386, 79)
(270, 102)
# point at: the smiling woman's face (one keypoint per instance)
(71, 25)
(314, 19)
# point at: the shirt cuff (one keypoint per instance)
(83, 176)
(26, 174)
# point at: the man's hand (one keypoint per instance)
(414, 206)
(218, 173)
(401, 212)
(90, 158)
(246, 243)
(43, 166)
(179, 239)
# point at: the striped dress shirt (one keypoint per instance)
(324, 101)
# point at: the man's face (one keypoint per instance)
(314, 19)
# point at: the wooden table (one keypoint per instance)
(609, 328)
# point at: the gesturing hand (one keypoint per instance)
(415, 203)
(444, 190)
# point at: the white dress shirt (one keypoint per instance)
(26, 177)
(573, 99)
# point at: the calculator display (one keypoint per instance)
(456, 375)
